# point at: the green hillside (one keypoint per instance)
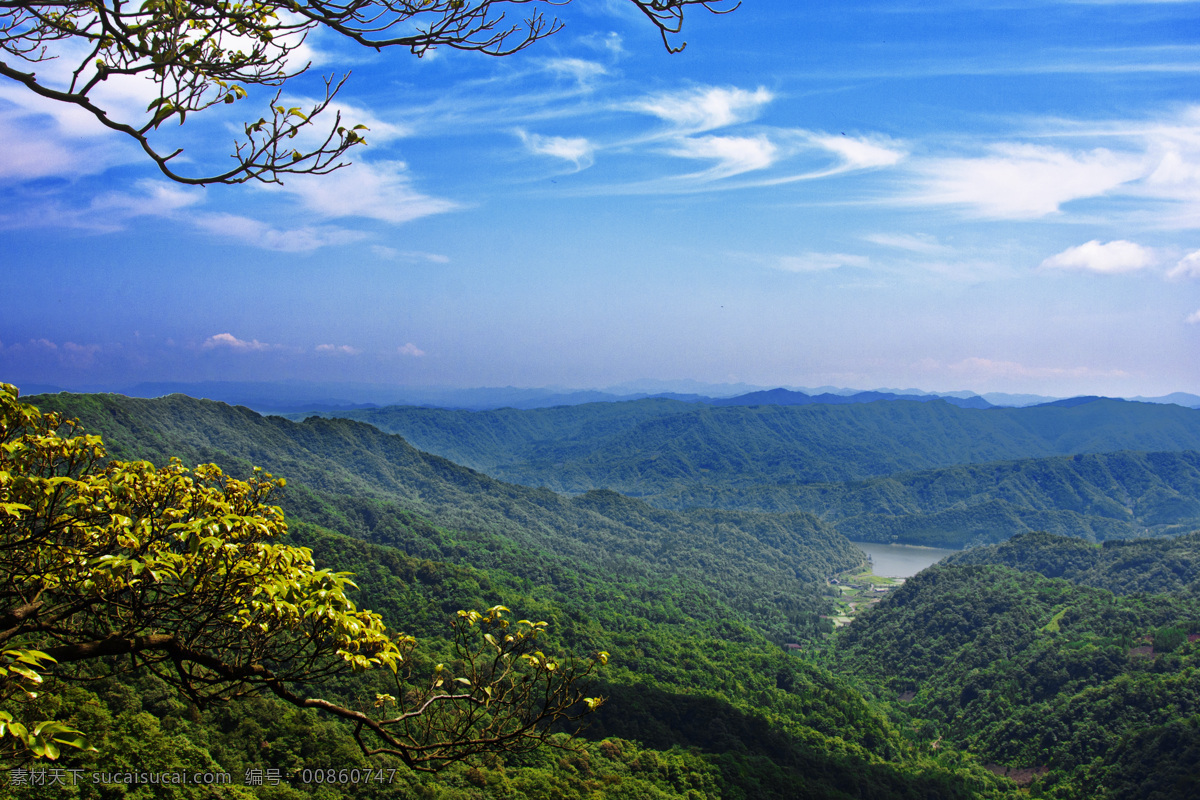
(659, 447)
(1095, 497)
(1068, 683)
(1122, 567)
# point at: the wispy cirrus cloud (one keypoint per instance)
(859, 152)
(704, 109)
(115, 211)
(911, 242)
(578, 150)
(609, 43)
(733, 154)
(582, 70)
(1103, 258)
(815, 262)
(392, 254)
(107, 212)
(263, 235)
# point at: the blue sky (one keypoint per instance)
(942, 195)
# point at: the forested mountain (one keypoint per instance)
(814, 459)
(1066, 683)
(663, 447)
(1095, 497)
(702, 701)
(1133, 566)
(785, 397)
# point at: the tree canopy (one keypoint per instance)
(181, 572)
(198, 54)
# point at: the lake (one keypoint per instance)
(901, 560)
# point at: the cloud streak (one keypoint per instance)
(733, 154)
(577, 150)
(227, 341)
(706, 109)
(260, 234)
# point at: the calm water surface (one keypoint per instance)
(902, 560)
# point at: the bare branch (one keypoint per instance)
(203, 53)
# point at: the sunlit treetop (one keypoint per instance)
(183, 572)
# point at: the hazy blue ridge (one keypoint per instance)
(785, 397)
(651, 446)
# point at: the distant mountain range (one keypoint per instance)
(298, 396)
(919, 471)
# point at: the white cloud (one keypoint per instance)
(108, 212)
(861, 153)
(231, 342)
(260, 234)
(38, 145)
(1188, 267)
(158, 198)
(705, 109)
(610, 43)
(410, 349)
(32, 153)
(852, 154)
(1109, 259)
(1018, 181)
(380, 190)
(816, 262)
(576, 150)
(111, 211)
(581, 70)
(338, 349)
(733, 154)
(915, 243)
(1194, 318)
